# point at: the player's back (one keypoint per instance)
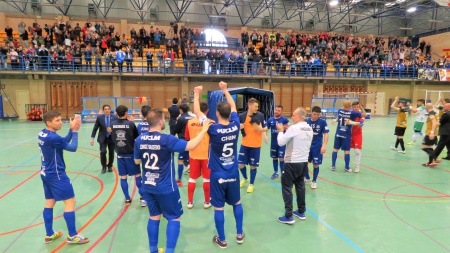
(223, 146)
(124, 133)
(51, 146)
(344, 130)
(155, 150)
(143, 127)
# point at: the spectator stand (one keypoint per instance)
(93, 106)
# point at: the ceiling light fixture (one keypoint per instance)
(333, 2)
(411, 9)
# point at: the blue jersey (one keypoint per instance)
(155, 150)
(223, 146)
(344, 130)
(272, 125)
(143, 127)
(319, 128)
(51, 146)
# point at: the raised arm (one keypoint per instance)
(224, 87)
(197, 112)
(394, 104)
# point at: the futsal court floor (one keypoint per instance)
(393, 205)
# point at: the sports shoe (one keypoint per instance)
(243, 181)
(206, 205)
(307, 180)
(333, 168)
(128, 202)
(446, 158)
(250, 188)
(143, 203)
(299, 215)
(56, 235)
(285, 220)
(274, 176)
(427, 164)
(240, 238)
(222, 245)
(190, 205)
(402, 151)
(411, 143)
(179, 182)
(394, 148)
(160, 250)
(186, 163)
(356, 169)
(433, 164)
(77, 239)
(437, 161)
(348, 170)
(313, 185)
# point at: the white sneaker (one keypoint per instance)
(143, 203)
(190, 205)
(307, 180)
(394, 148)
(356, 169)
(333, 168)
(313, 185)
(206, 205)
(403, 152)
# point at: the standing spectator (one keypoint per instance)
(149, 56)
(88, 58)
(103, 124)
(120, 57)
(9, 33)
(129, 60)
(297, 139)
(98, 60)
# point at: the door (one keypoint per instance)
(23, 98)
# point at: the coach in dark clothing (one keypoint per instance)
(444, 131)
(103, 124)
(180, 129)
(174, 112)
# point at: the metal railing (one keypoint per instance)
(211, 67)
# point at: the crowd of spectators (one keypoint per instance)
(67, 47)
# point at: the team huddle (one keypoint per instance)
(211, 150)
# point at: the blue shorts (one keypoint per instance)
(169, 205)
(127, 166)
(224, 189)
(183, 156)
(342, 143)
(249, 156)
(277, 151)
(315, 157)
(57, 188)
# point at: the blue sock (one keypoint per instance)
(275, 165)
(152, 232)
(239, 217)
(180, 170)
(138, 183)
(219, 219)
(315, 174)
(48, 221)
(70, 221)
(244, 172)
(307, 173)
(252, 176)
(172, 233)
(347, 161)
(281, 166)
(124, 185)
(333, 159)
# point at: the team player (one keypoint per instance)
(318, 144)
(57, 185)
(180, 128)
(401, 124)
(346, 118)
(223, 164)
(155, 151)
(357, 137)
(431, 134)
(124, 133)
(198, 160)
(420, 120)
(143, 126)
(277, 152)
(253, 125)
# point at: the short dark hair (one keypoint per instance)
(50, 115)
(121, 110)
(154, 116)
(105, 105)
(184, 108)
(174, 100)
(224, 109)
(144, 110)
(252, 101)
(203, 107)
(279, 106)
(355, 103)
(316, 109)
(421, 100)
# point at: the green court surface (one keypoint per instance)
(393, 205)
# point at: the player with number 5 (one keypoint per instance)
(159, 189)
